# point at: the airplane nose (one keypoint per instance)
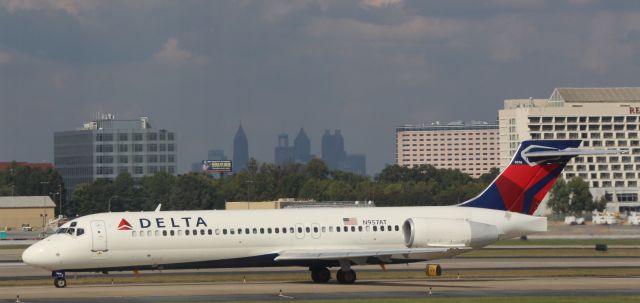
(37, 255)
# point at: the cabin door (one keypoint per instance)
(98, 236)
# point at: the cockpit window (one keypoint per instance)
(71, 231)
(62, 230)
(73, 224)
(80, 232)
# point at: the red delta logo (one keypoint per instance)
(124, 225)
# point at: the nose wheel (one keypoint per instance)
(60, 282)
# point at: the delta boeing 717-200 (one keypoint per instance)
(318, 238)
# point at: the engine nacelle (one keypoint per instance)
(428, 232)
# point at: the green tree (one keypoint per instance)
(560, 197)
(316, 168)
(581, 199)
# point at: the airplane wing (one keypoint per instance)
(360, 255)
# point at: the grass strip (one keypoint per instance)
(362, 275)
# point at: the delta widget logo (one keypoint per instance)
(124, 225)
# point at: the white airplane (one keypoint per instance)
(315, 238)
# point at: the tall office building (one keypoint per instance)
(471, 148)
(335, 156)
(302, 147)
(284, 153)
(333, 152)
(240, 150)
(600, 117)
(103, 148)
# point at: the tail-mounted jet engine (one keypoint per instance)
(429, 232)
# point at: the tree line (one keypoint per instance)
(394, 186)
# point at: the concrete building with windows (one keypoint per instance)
(471, 148)
(103, 148)
(601, 117)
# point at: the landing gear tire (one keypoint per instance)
(320, 275)
(346, 276)
(60, 282)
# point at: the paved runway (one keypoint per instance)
(195, 292)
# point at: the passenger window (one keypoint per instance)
(261, 230)
(202, 232)
(217, 231)
(277, 229)
(186, 232)
(367, 228)
(179, 232)
(284, 230)
(359, 228)
(172, 232)
(291, 230)
(269, 230)
(388, 227)
(315, 229)
(239, 231)
(195, 232)
(232, 231)
(324, 229)
(157, 233)
(307, 229)
(247, 231)
(255, 231)
(210, 232)
(337, 228)
(148, 233)
(80, 231)
(353, 228)
(164, 233)
(330, 229)
(397, 228)
(224, 231)
(375, 228)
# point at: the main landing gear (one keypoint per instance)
(59, 280)
(345, 275)
(320, 274)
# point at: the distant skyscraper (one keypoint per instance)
(216, 154)
(240, 150)
(333, 149)
(302, 147)
(283, 152)
(334, 155)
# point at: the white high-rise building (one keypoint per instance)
(471, 148)
(601, 117)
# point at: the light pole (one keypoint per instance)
(44, 205)
(110, 202)
(60, 199)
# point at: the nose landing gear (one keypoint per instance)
(59, 280)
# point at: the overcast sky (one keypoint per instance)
(364, 66)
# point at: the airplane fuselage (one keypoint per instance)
(247, 238)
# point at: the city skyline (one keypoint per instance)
(363, 66)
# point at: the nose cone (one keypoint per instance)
(38, 255)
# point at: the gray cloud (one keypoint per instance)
(201, 67)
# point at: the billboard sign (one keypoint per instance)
(216, 166)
